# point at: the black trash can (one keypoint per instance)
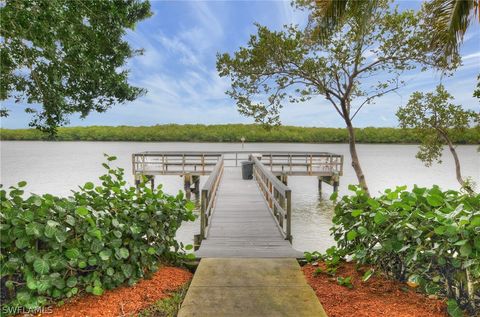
(247, 169)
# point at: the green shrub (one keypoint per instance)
(427, 237)
(100, 237)
(231, 133)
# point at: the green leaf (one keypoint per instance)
(440, 230)
(362, 230)
(151, 250)
(31, 282)
(70, 220)
(477, 243)
(190, 205)
(127, 270)
(351, 235)
(367, 275)
(453, 309)
(88, 186)
(434, 200)
(466, 249)
(41, 266)
(57, 281)
(52, 223)
(110, 271)
(82, 264)
(460, 242)
(105, 255)
(22, 243)
(124, 253)
(22, 184)
(334, 196)
(49, 231)
(379, 218)
(31, 255)
(60, 236)
(92, 260)
(23, 297)
(33, 229)
(72, 281)
(82, 211)
(373, 203)
(356, 212)
(97, 290)
(72, 253)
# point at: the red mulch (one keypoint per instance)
(379, 296)
(125, 300)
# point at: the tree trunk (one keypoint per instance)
(355, 161)
(457, 163)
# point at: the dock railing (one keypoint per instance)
(208, 198)
(277, 195)
(202, 163)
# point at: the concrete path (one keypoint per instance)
(250, 287)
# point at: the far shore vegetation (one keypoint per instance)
(232, 133)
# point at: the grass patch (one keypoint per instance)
(166, 307)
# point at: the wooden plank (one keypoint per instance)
(241, 225)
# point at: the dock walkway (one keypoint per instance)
(241, 225)
(248, 266)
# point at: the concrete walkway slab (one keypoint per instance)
(250, 287)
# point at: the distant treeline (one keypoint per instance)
(230, 133)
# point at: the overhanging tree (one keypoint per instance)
(66, 57)
(434, 117)
(362, 60)
(447, 20)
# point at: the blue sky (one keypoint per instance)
(181, 41)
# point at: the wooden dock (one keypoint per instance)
(242, 218)
(248, 266)
(242, 225)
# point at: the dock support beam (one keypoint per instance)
(196, 184)
(187, 183)
(333, 181)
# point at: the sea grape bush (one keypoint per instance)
(428, 237)
(100, 237)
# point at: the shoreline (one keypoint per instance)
(232, 133)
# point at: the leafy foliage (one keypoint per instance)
(64, 57)
(101, 237)
(448, 22)
(433, 117)
(424, 236)
(233, 133)
(294, 65)
(345, 281)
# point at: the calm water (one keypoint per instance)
(58, 167)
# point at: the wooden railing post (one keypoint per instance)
(203, 208)
(288, 195)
